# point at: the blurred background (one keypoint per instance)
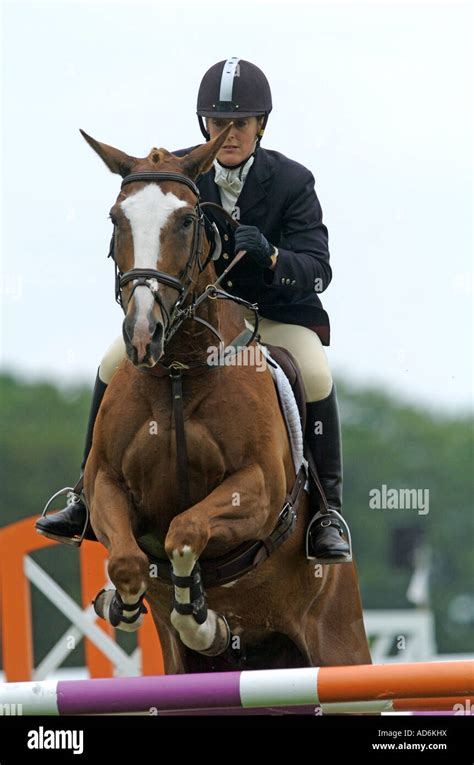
(376, 99)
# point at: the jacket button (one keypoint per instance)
(230, 284)
(287, 281)
(282, 280)
(226, 237)
(225, 255)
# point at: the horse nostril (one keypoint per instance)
(127, 330)
(157, 334)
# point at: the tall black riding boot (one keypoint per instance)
(326, 542)
(67, 524)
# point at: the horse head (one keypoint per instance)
(159, 239)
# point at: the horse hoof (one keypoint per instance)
(221, 638)
(102, 604)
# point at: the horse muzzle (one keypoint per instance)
(144, 344)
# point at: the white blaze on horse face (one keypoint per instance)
(148, 211)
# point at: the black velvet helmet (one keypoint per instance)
(233, 88)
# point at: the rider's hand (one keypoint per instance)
(250, 238)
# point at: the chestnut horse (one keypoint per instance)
(192, 464)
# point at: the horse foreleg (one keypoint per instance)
(128, 566)
(235, 511)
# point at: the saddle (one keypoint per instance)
(288, 364)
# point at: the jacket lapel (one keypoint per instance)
(260, 174)
(257, 189)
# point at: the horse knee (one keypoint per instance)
(187, 532)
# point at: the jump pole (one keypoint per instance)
(249, 689)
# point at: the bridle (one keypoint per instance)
(151, 278)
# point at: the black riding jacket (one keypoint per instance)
(279, 198)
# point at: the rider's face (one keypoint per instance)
(240, 142)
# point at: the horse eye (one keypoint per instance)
(188, 221)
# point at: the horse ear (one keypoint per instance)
(117, 161)
(200, 159)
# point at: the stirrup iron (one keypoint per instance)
(72, 496)
(346, 530)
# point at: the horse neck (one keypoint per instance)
(192, 340)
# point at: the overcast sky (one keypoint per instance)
(376, 99)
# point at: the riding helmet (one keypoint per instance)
(233, 88)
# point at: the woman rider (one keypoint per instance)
(286, 266)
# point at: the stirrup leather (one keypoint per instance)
(339, 523)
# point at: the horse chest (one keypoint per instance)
(153, 458)
(219, 441)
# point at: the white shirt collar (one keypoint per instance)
(231, 181)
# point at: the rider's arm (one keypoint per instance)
(303, 255)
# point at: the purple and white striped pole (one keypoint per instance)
(285, 687)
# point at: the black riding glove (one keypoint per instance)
(250, 238)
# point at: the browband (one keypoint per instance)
(161, 177)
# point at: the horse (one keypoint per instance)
(190, 482)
